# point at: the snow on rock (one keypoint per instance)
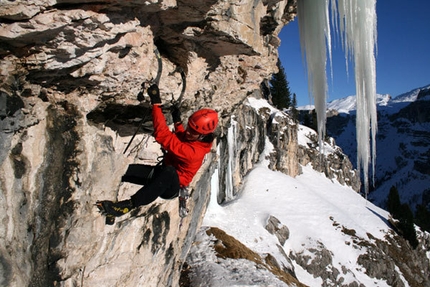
(220, 260)
(333, 232)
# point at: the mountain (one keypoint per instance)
(74, 76)
(402, 144)
(307, 230)
(303, 230)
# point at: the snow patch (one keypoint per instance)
(314, 208)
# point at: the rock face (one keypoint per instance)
(378, 261)
(281, 231)
(328, 159)
(73, 75)
(245, 140)
(71, 72)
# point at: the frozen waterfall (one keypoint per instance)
(355, 21)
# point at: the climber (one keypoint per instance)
(185, 151)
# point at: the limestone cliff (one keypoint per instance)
(71, 72)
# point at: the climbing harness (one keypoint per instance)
(159, 163)
(183, 193)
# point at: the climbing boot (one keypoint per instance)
(115, 209)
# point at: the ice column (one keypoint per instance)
(232, 150)
(314, 38)
(357, 27)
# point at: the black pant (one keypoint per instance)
(159, 181)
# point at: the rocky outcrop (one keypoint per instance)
(379, 258)
(249, 126)
(282, 132)
(328, 158)
(215, 253)
(239, 150)
(71, 72)
(274, 226)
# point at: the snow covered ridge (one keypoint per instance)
(414, 95)
(313, 228)
(335, 237)
(348, 104)
(305, 149)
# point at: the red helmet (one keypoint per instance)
(203, 121)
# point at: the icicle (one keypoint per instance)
(357, 26)
(315, 36)
(231, 141)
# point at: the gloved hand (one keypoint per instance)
(176, 114)
(154, 94)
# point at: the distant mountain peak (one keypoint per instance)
(412, 95)
(402, 143)
(349, 104)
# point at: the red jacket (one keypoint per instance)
(185, 156)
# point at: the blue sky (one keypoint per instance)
(402, 60)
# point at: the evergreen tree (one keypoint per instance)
(307, 120)
(310, 120)
(404, 215)
(294, 108)
(393, 203)
(422, 217)
(281, 95)
(406, 225)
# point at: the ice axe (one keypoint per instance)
(155, 81)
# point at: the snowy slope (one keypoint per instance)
(324, 218)
(314, 208)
